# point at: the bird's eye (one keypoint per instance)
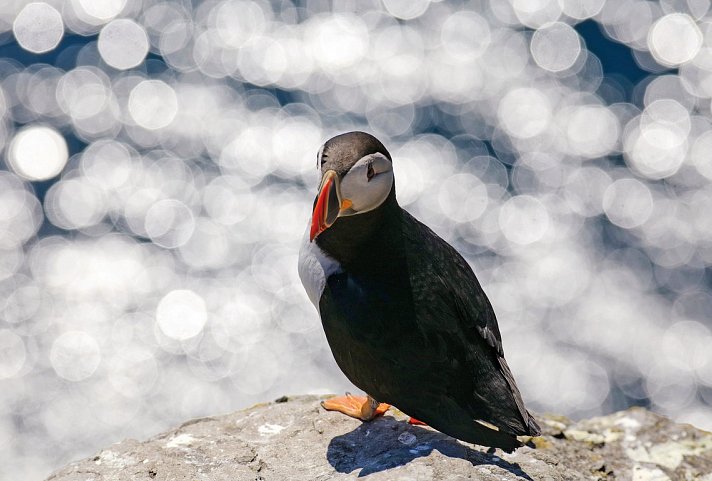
(370, 172)
(320, 157)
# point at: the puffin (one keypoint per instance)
(404, 315)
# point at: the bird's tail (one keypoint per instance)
(534, 429)
(530, 425)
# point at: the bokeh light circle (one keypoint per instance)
(525, 112)
(181, 314)
(465, 35)
(169, 223)
(338, 42)
(581, 9)
(75, 356)
(73, 204)
(463, 197)
(153, 104)
(674, 39)
(38, 27)
(555, 47)
(123, 44)
(628, 203)
(592, 130)
(102, 9)
(700, 154)
(524, 219)
(38, 153)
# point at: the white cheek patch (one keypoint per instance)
(315, 267)
(367, 193)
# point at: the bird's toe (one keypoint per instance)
(359, 407)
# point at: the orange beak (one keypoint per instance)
(327, 205)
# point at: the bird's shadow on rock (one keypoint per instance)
(386, 443)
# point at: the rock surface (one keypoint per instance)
(294, 439)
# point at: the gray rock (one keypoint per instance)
(297, 440)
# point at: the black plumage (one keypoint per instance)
(408, 322)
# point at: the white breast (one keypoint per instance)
(315, 266)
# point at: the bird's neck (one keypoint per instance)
(352, 237)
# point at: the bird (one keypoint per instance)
(404, 315)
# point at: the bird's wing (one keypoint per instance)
(461, 312)
(444, 275)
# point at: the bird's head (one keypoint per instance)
(357, 177)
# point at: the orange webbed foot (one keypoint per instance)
(364, 408)
(416, 422)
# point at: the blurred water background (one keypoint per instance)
(159, 170)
